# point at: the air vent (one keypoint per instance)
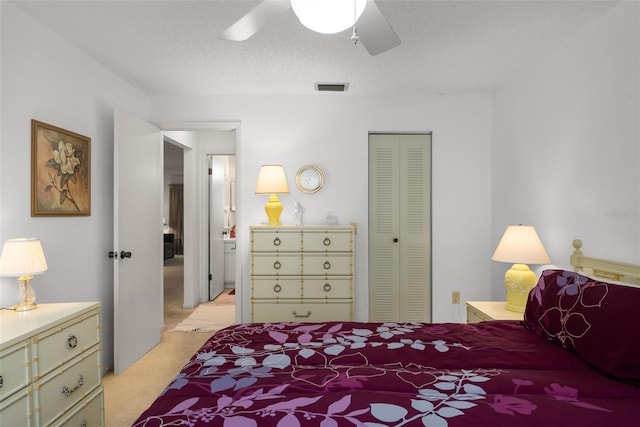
(332, 87)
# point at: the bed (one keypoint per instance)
(575, 360)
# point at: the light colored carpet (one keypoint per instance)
(208, 318)
(127, 395)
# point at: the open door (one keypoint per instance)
(138, 241)
(216, 226)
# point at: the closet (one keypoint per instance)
(399, 227)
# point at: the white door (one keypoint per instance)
(400, 227)
(216, 226)
(137, 241)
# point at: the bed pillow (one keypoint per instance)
(597, 320)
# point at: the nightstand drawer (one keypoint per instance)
(482, 311)
(474, 315)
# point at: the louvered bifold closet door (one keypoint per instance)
(384, 219)
(399, 227)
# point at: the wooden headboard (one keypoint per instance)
(602, 268)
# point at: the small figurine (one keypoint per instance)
(331, 218)
(298, 210)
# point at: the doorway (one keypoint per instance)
(222, 224)
(173, 229)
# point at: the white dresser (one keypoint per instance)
(301, 273)
(50, 366)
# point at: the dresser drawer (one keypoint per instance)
(59, 345)
(16, 410)
(325, 240)
(272, 288)
(15, 369)
(276, 264)
(87, 413)
(331, 287)
(265, 311)
(58, 392)
(473, 316)
(328, 264)
(270, 240)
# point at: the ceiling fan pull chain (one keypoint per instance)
(354, 35)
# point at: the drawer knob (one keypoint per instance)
(67, 391)
(277, 265)
(326, 265)
(295, 314)
(326, 287)
(277, 241)
(277, 288)
(72, 341)
(326, 241)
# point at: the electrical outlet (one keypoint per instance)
(455, 297)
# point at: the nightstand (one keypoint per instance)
(480, 311)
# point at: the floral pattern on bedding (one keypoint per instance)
(386, 374)
(591, 318)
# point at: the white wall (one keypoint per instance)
(330, 130)
(43, 78)
(567, 145)
(583, 95)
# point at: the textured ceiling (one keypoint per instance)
(171, 47)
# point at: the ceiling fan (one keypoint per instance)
(369, 24)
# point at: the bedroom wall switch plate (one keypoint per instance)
(455, 297)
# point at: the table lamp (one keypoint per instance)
(520, 245)
(23, 258)
(272, 181)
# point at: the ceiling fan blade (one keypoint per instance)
(250, 23)
(375, 32)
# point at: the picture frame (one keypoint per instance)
(60, 171)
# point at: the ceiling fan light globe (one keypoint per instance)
(328, 16)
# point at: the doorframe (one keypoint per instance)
(195, 211)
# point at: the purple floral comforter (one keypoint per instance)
(389, 374)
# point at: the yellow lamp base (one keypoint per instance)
(273, 208)
(518, 281)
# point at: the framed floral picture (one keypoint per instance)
(60, 172)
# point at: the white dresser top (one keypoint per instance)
(16, 325)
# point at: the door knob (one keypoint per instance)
(124, 254)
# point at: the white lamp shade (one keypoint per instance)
(520, 244)
(22, 257)
(272, 180)
(328, 16)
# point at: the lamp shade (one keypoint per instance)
(22, 257)
(272, 180)
(328, 16)
(521, 244)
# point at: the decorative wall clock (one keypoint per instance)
(309, 179)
